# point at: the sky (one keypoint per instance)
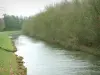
(24, 7)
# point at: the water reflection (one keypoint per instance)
(41, 59)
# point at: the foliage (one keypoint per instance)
(2, 26)
(12, 22)
(70, 24)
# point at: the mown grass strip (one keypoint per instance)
(5, 42)
(6, 55)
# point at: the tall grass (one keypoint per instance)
(70, 24)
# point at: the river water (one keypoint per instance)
(43, 59)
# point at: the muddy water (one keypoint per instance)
(42, 59)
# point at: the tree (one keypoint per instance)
(13, 22)
(2, 26)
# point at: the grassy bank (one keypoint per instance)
(5, 42)
(71, 24)
(8, 59)
(5, 60)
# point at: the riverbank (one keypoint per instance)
(93, 51)
(90, 50)
(61, 24)
(21, 69)
(8, 59)
(52, 60)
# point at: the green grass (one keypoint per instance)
(7, 57)
(5, 42)
(10, 32)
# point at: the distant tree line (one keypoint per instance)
(2, 25)
(11, 22)
(71, 24)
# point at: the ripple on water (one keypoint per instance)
(42, 59)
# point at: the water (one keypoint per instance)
(42, 59)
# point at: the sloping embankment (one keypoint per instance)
(21, 69)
